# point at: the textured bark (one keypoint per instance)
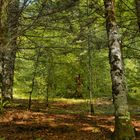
(123, 127)
(78, 92)
(8, 46)
(137, 2)
(90, 53)
(0, 45)
(3, 35)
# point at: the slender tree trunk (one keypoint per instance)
(78, 81)
(123, 128)
(50, 78)
(137, 2)
(90, 74)
(34, 78)
(9, 48)
(90, 83)
(90, 78)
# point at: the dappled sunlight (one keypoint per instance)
(53, 124)
(91, 129)
(69, 69)
(70, 101)
(57, 121)
(111, 128)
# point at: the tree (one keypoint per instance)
(90, 74)
(3, 38)
(137, 2)
(9, 23)
(123, 127)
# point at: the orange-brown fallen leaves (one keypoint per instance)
(53, 123)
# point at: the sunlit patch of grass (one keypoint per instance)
(74, 106)
(79, 106)
(41, 97)
(26, 96)
(70, 101)
(91, 128)
(21, 96)
(2, 138)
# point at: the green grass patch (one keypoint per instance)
(2, 138)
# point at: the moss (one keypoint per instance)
(123, 129)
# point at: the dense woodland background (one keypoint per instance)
(53, 48)
(60, 49)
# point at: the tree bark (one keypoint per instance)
(137, 2)
(78, 81)
(90, 79)
(9, 47)
(123, 128)
(0, 45)
(3, 36)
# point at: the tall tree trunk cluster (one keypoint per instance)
(8, 36)
(123, 127)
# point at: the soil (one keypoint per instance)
(58, 121)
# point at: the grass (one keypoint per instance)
(70, 101)
(102, 105)
(2, 138)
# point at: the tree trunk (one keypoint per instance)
(0, 45)
(9, 48)
(137, 2)
(13, 31)
(78, 92)
(90, 79)
(123, 128)
(3, 38)
(34, 78)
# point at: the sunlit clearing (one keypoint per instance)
(71, 101)
(92, 129)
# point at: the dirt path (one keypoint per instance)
(58, 122)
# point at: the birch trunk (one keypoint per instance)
(123, 128)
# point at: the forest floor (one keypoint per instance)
(62, 120)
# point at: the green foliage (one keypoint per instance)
(3, 104)
(62, 35)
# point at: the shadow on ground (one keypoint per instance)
(61, 121)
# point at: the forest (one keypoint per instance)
(69, 70)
